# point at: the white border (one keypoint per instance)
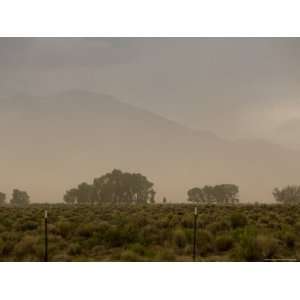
(149, 18)
(149, 281)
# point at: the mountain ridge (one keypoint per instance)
(76, 135)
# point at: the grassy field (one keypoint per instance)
(150, 233)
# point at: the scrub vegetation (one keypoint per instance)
(115, 218)
(150, 232)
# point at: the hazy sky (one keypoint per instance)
(62, 120)
(242, 87)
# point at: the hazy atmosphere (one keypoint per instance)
(183, 111)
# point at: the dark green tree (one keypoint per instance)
(114, 187)
(71, 196)
(209, 196)
(226, 194)
(84, 193)
(287, 195)
(196, 195)
(218, 194)
(19, 198)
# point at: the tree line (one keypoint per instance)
(122, 187)
(228, 194)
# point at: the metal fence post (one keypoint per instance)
(46, 236)
(195, 234)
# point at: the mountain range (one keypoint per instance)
(54, 142)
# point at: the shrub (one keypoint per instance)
(2, 245)
(74, 249)
(238, 220)
(268, 246)
(98, 250)
(137, 248)
(87, 230)
(166, 255)
(29, 225)
(289, 238)
(113, 237)
(204, 242)
(224, 243)
(103, 227)
(188, 221)
(248, 249)
(2, 228)
(179, 238)
(297, 227)
(64, 228)
(128, 255)
(290, 220)
(8, 248)
(57, 245)
(148, 235)
(25, 246)
(130, 233)
(219, 226)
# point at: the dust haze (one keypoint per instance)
(183, 111)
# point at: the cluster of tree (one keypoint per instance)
(218, 194)
(115, 187)
(2, 198)
(287, 195)
(19, 198)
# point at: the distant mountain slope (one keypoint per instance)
(288, 133)
(49, 144)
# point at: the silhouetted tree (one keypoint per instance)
(196, 195)
(2, 198)
(209, 194)
(218, 194)
(287, 195)
(118, 187)
(115, 187)
(19, 198)
(226, 193)
(71, 196)
(84, 193)
(164, 200)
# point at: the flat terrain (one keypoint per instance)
(150, 233)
